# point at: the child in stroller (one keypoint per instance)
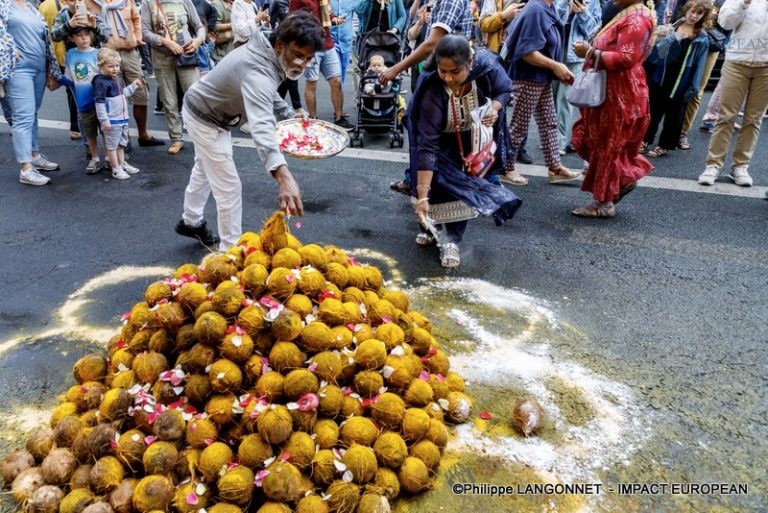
(379, 109)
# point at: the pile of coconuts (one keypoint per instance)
(275, 377)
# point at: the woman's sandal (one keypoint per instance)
(401, 186)
(514, 178)
(683, 143)
(643, 148)
(425, 239)
(595, 210)
(624, 191)
(449, 256)
(658, 151)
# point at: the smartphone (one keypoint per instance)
(265, 7)
(679, 22)
(81, 9)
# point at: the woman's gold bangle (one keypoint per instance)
(422, 200)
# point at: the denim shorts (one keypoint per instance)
(327, 63)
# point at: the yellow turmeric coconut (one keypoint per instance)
(91, 367)
(275, 424)
(459, 407)
(251, 320)
(270, 385)
(370, 298)
(90, 418)
(121, 357)
(197, 388)
(200, 432)
(189, 459)
(312, 281)
(286, 257)
(130, 449)
(65, 409)
(361, 430)
(185, 337)
(342, 337)
(300, 304)
(350, 407)
(337, 274)
(252, 369)
(115, 404)
(331, 312)
(385, 483)
(249, 240)
(323, 467)
(228, 299)
(213, 459)
(343, 497)
(139, 343)
(107, 473)
(205, 306)
(314, 255)
(303, 420)
(312, 504)
(273, 507)
(259, 257)
(285, 356)
(388, 410)
(371, 354)
(352, 309)
(197, 359)
(396, 372)
(58, 466)
(390, 449)
(210, 328)
(316, 337)
(169, 316)
(455, 382)
(356, 276)
(281, 282)
(254, 277)
(439, 386)
(76, 501)
(219, 408)
(437, 363)
(361, 461)
(415, 424)
(368, 383)
(148, 366)
(398, 298)
(160, 458)
(353, 295)
(336, 254)
(287, 326)
(236, 347)
(186, 270)
(152, 493)
(253, 451)
(281, 483)
(224, 507)
(156, 292)
(216, 268)
(427, 452)
(391, 334)
(123, 379)
(263, 342)
(160, 341)
(236, 485)
(300, 448)
(437, 433)
(327, 366)
(225, 376)
(191, 295)
(414, 476)
(187, 498)
(331, 400)
(326, 433)
(419, 393)
(373, 503)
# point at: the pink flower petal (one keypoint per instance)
(424, 375)
(192, 499)
(149, 440)
(485, 415)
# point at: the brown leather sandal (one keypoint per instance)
(596, 210)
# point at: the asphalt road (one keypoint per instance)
(671, 296)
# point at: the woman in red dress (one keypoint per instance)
(609, 136)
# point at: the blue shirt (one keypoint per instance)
(343, 34)
(583, 24)
(28, 30)
(80, 68)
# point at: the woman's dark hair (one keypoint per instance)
(302, 28)
(455, 48)
(700, 6)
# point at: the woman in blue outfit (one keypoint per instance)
(29, 67)
(382, 16)
(441, 105)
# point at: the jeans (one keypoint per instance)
(344, 51)
(565, 111)
(25, 94)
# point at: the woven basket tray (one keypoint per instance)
(450, 212)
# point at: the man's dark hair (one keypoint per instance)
(301, 28)
(455, 48)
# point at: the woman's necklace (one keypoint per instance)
(460, 91)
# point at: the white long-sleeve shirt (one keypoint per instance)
(244, 23)
(749, 40)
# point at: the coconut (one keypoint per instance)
(186, 271)
(420, 320)
(160, 341)
(197, 358)
(40, 442)
(123, 379)
(391, 334)
(199, 432)
(352, 310)
(336, 254)
(107, 473)
(228, 298)
(249, 240)
(273, 507)
(311, 281)
(385, 483)
(439, 387)
(210, 328)
(350, 407)
(373, 278)
(299, 382)
(164, 393)
(331, 312)
(361, 430)
(191, 295)
(398, 298)
(373, 503)
(130, 449)
(419, 393)
(368, 383)
(437, 433)
(353, 294)
(58, 466)
(93, 443)
(323, 467)
(363, 331)
(197, 388)
(160, 458)
(281, 283)
(14, 463)
(270, 385)
(286, 257)
(81, 477)
(343, 336)
(397, 372)
(76, 501)
(327, 366)
(121, 357)
(89, 395)
(149, 366)
(303, 420)
(312, 504)
(361, 461)
(259, 257)
(169, 316)
(139, 314)
(153, 493)
(254, 277)
(427, 452)
(26, 483)
(169, 426)
(275, 424)
(219, 408)
(89, 419)
(253, 451)
(527, 415)
(139, 343)
(91, 367)
(316, 337)
(251, 320)
(287, 326)
(331, 400)
(300, 448)
(415, 424)
(459, 407)
(189, 459)
(45, 499)
(213, 458)
(205, 306)
(190, 497)
(371, 354)
(337, 274)
(356, 276)
(326, 433)
(224, 507)
(390, 449)
(314, 255)
(121, 498)
(216, 268)
(158, 291)
(437, 363)
(343, 497)
(414, 476)
(225, 376)
(236, 485)
(286, 356)
(282, 481)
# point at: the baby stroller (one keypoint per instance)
(378, 113)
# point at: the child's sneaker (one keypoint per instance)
(93, 167)
(119, 174)
(130, 169)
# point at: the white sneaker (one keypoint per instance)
(740, 176)
(130, 169)
(119, 174)
(93, 167)
(43, 164)
(709, 175)
(32, 177)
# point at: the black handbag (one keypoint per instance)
(186, 60)
(716, 40)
